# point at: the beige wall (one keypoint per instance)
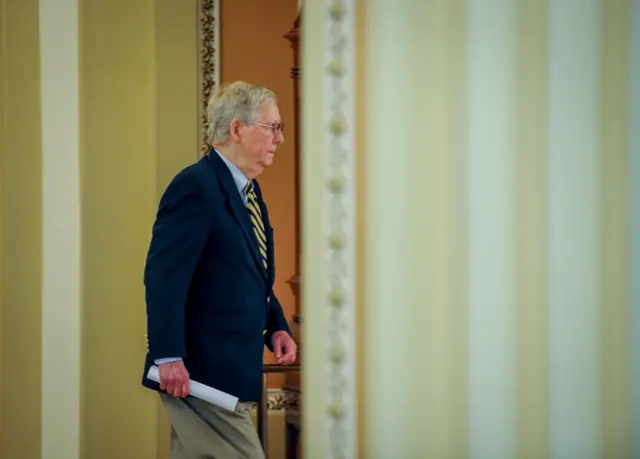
(139, 115)
(20, 248)
(138, 124)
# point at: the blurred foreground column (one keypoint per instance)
(483, 162)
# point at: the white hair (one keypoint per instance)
(239, 100)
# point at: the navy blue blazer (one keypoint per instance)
(209, 298)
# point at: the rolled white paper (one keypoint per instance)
(199, 390)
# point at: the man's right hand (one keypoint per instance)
(174, 378)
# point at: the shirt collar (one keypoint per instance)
(238, 177)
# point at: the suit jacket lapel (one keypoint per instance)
(238, 208)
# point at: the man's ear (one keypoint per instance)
(234, 130)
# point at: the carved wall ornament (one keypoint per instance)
(208, 62)
(339, 82)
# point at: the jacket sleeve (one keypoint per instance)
(275, 321)
(178, 239)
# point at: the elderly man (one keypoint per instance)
(209, 280)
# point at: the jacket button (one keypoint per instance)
(268, 300)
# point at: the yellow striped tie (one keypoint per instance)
(256, 221)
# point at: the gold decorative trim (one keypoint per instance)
(208, 62)
(282, 399)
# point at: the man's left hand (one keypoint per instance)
(284, 348)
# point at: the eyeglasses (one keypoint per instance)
(275, 128)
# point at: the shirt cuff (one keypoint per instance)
(167, 360)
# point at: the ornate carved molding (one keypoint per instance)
(294, 38)
(282, 399)
(294, 283)
(208, 62)
(339, 82)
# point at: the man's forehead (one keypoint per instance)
(270, 113)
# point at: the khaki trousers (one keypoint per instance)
(200, 430)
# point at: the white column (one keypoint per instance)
(492, 250)
(396, 297)
(394, 256)
(634, 229)
(574, 238)
(414, 279)
(328, 234)
(61, 351)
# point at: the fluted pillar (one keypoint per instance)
(493, 271)
(415, 247)
(575, 245)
